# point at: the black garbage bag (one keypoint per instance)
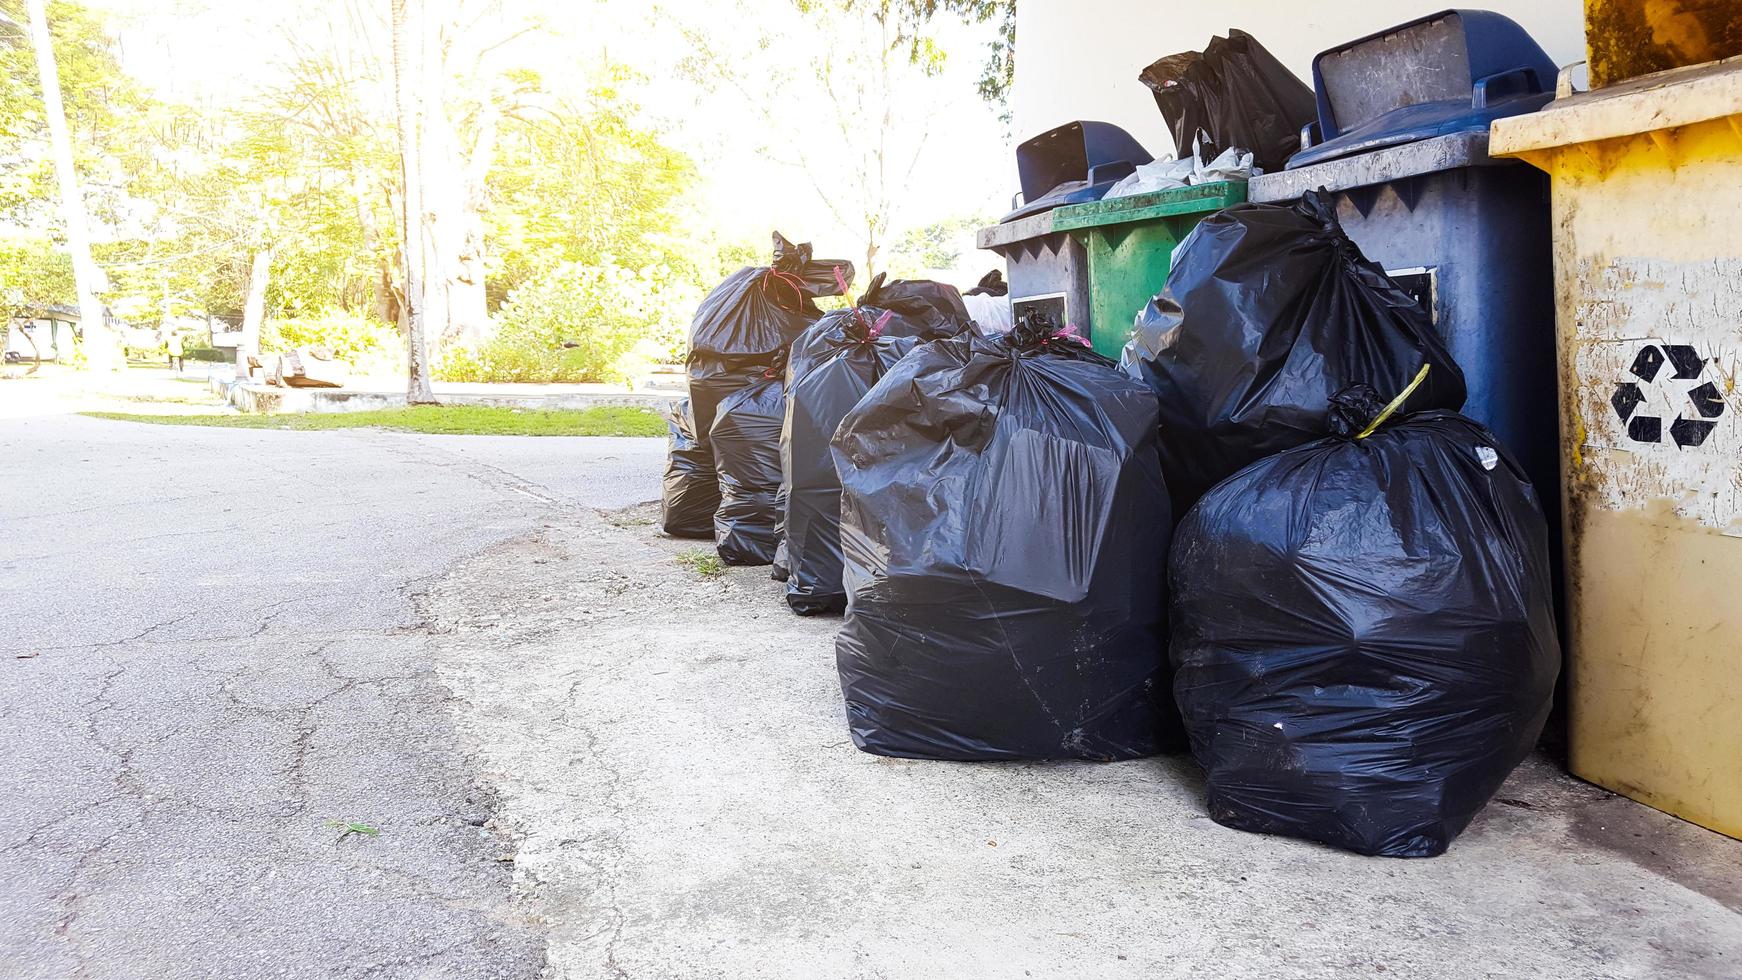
(1234, 93)
(760, 309)
(1005, 527)
(929, 308)
(833, 365)
(746, 441)
(747, 320)
(990, 284)
(691, 491)
(1270, 310)
(1363, 631)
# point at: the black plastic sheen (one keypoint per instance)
(746, 441)
(743, 325)
(1268, 312)
(1236, 94)
(691, 491)
(1363, 633)
(832, 365)
(1005, 526)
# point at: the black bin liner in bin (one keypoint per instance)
(833, 364)
(746, 441)
(691, 491)
(1005, 528)
(1236, 94)
(1363, 633)
(1268, 312)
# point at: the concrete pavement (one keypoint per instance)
(585, 759)
(671, 751)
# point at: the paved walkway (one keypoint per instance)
(672, 752)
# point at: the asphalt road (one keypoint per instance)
(211, 659)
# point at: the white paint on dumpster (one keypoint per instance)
(1657, 362)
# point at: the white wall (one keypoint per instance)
(1079, 59)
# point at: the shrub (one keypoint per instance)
(580, 323)
(366, 344)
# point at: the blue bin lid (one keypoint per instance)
(1073, 164)
(1451, 72)
(1070, 192)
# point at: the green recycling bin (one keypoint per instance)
(1130, 243)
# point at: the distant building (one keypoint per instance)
(48, 332)
(40, 334)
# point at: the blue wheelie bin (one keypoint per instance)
(1402, 143)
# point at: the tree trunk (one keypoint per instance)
(253, 312)
(102, 349)
(410, 53)
(470, 313)
(439, 177)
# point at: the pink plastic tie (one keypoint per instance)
(882, 321)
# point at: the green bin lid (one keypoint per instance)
(1195, 199)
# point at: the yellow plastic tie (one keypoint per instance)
(1396, 403)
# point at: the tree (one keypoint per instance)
(411, 58)
(288, 204)
(253, 311)
(578, 180)
(102, 348)
(913, 17)
(842, 69)
(33, 275)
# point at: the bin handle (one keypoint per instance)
(1479, 91)
(1563, 83)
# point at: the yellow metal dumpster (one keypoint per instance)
(1628, 38)
(1647, 200)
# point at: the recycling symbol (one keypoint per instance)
(1704, 402)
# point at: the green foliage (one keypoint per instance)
(588, 240)
(33, 274)
(912, 16)
(580, 181)
(580, 323)
(366, 344)
(939, 245)
(705, 563)
(103, 111)
(435, 419)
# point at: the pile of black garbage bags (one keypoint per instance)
(737, 346)
(1267, 534)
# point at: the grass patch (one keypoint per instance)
(436, 419)
(348, 827)
(705, 563)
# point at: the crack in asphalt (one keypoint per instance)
(94, 847)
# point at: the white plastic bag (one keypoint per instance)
(1158, 176)
(991, 313)
(1230, 164)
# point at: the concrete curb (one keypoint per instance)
(260, 399)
